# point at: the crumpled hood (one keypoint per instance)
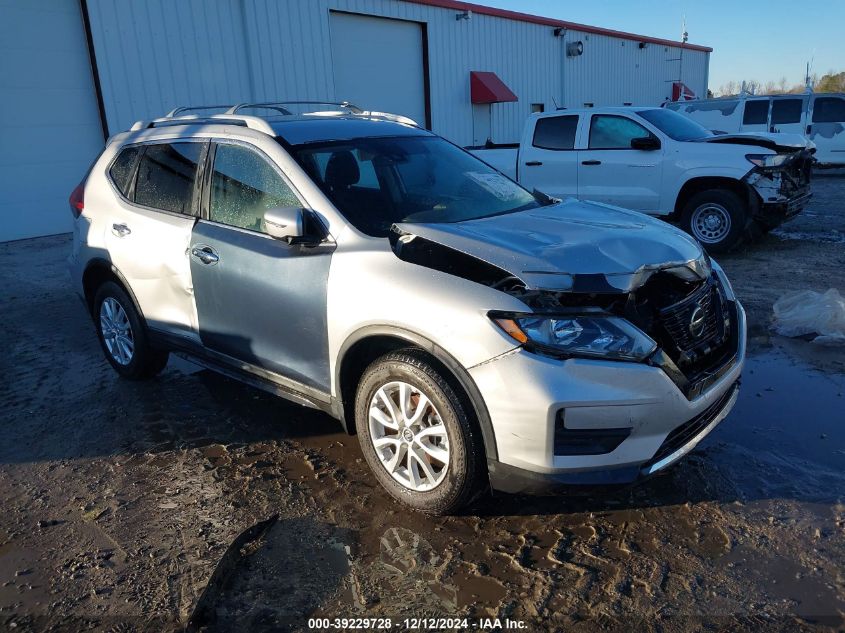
(776, 141)
(572, 245)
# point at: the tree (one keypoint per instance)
(831, 82)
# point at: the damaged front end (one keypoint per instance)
(679, 315)
(782, 184)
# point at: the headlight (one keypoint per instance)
(767, 160)
(581, 335)
(726, 284)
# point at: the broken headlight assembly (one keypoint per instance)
(767, 161)
(582, 335)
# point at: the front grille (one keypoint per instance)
(694, 328)
(677, 318)
(688, 430)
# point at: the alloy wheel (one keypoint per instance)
(409, 436)
(117, 331)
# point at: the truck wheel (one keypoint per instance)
(416, 435)
(123, 336)
(716, 218)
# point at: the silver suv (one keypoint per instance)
(469, 331)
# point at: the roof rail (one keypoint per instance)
(252, 122)
(182, 109)
(280, 106)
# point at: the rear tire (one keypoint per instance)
(717, 218)
(123, 336)
(427, 453)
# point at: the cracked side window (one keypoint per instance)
(121, 169)
(166, 176)
(243, 186)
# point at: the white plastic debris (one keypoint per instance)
(806, 312)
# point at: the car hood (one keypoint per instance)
(775, 141)
(572, 246)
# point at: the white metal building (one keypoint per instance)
(73, 71)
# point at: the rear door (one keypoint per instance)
(548, 160)
(755, 116)
(148, 228)
(259, 300)
(611, 171)
(788, 115)
(827, 128)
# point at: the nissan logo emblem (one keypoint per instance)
(696, 321)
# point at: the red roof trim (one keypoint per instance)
(537, 19)
(486, 87)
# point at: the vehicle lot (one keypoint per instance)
(120, 499)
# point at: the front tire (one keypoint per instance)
(123, 337)
(717, 218)
(416, 434)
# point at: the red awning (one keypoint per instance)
(486, 87)
(681, 92)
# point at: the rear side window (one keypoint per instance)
(556, 132)
(122, 168)
(614, 132)
(786, 111)
(243, 186)
(166, 176)
(756, 112)
(829, 110)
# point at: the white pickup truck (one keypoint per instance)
(722, 189)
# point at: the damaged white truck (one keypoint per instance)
(721, 189)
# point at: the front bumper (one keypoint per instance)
(772, 214)
(781, 193)
(525, 394)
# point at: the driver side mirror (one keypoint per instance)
(285, 223)
(646, 143)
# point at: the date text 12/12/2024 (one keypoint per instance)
(417, 624)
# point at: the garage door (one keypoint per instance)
(378, 64)
(49, 122)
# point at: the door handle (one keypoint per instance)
(205, 254)
(121, 230)
(591, 162)
(533, 163)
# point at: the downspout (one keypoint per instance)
(95, 73)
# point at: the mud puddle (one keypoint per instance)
(749, 526)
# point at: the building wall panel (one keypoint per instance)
(156, 54)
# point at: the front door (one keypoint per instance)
(259, 300)
(550, 163)
(611, 171)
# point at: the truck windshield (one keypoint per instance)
(377, 181)
(675, 125)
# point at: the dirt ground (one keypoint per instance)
(192, 500)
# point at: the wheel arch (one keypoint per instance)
(369, 343)
(97, 272)
(703, 183)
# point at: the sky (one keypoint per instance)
(750, 40)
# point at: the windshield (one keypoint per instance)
(675, 125)
(377, 181)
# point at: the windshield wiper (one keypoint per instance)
(543, 198)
